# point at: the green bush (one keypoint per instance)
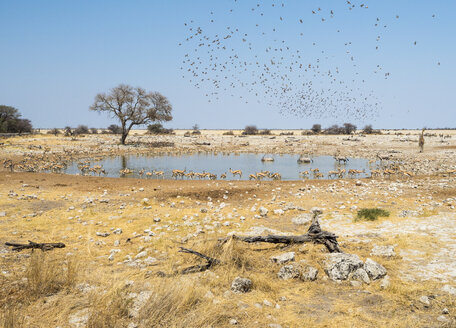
(371, 214)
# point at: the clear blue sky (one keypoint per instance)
(57, 55)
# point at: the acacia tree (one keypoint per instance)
(133, 106)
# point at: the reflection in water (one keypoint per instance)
(123, 159)
(219, 164)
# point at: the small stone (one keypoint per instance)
(374, 270)
(442, 318)
(279, 211)
(263, 211)
(445, 311)
(309, 273)
(233, 322)
(267, 303)
(204, 210)
(118, 231)
(102, 234)
(274, 325)
(283, 258)
(2, 214)
(385, 282)
(301, 219)
(385, 251)
(425, 300)
(241, 285)
(141, 254)
(361, 275)
(157, 219)
(116, 242)
(289, 272)
(449, 289)
(356, 283)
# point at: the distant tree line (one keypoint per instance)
(346, 128)
(11, 121)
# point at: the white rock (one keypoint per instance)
(449, 289)
(385, 251)
(374, 269)
(263, 211)
(338, 266)
(241, 285)
(283, 258)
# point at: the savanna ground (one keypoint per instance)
(122, 237)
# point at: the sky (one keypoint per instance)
(57, 55)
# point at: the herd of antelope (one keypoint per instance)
(57, 164)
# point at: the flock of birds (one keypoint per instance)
(297, 77)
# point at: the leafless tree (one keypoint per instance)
(133, 106)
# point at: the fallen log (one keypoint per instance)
(314, 234)
(32, 245)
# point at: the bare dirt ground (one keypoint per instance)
(122, 237)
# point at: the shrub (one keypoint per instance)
(334, 129)
(316, 128)
(94, 130)
(157, 128)
(68, 131)
(228, 133)
(115, 129)
(349, 128)
(250, 130)
(371, 214)
(54, 131)
(265, 132)
(81, 129)
(287, 133)
(368, 129)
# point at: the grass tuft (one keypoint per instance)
(371, 214)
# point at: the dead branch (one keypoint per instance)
(198, 268)
(314, 234)
(32, 245)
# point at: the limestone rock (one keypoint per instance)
(283, 258)
(385, 251)
(302, 219)
(241, 285)
(361, 275)
(338, 266)
(374, 269)
(290, 271)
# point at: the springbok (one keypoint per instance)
(236, 172)
(178, 173)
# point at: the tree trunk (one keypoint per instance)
(123, 138)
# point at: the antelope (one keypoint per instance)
(276, 176)
(178, 173)
(318, 175)
(141, 172)
(253, 177)
(158, 173)
(333, 173)
(304, 174)
(341, 159)
(375, 173)
(236, 172)
(125, 171)
(223, 176)
(261, 175)
(149, 174)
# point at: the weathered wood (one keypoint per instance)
(314, 234)
(32, 245)
(198, 268)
